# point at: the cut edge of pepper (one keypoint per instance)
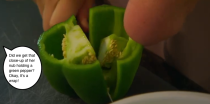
(122, 87)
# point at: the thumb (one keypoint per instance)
(149, 22)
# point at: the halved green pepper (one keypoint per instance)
(98, 71)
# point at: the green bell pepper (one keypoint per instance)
(98, 70)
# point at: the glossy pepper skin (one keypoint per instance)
(91, 82)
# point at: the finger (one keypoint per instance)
(150, 21)
(83, 14)
(64, 10)
(40, 5)
(49, 7)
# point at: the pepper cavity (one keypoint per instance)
(111, 49)
(77, 48)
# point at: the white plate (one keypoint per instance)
(167, 97)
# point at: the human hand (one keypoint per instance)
(151, 21)
(56, 11)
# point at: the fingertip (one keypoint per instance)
(83, 19)
(84, 25)
(45, 27)
(134, 23)
(148, 23)
(83, 15)
(48, 9)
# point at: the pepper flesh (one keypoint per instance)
(106, 20)
(76, 47)
(67, 71)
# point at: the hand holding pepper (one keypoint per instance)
(107, 61)
(146, 21)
